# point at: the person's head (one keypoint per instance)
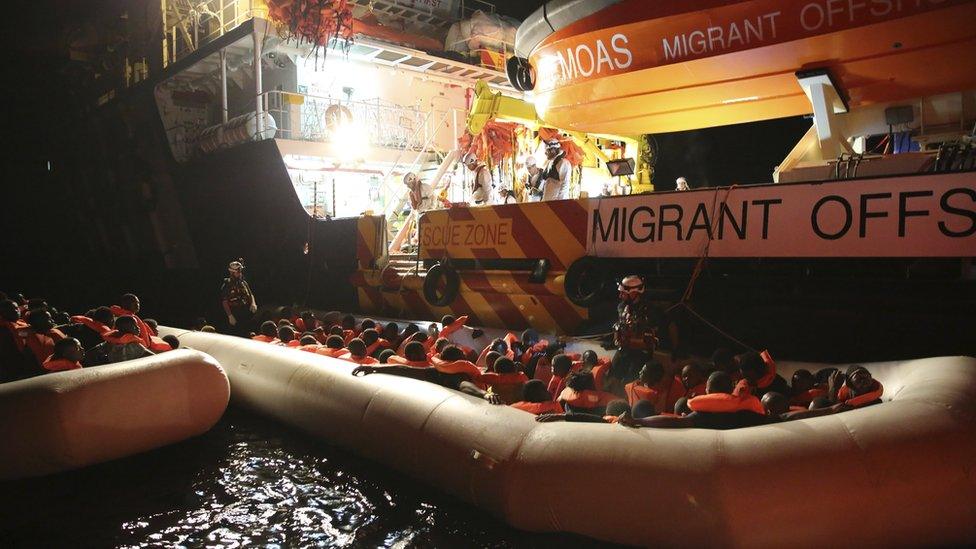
(723, 359)
(286, 333)
(286, 311)
(69, 348)
(367, 323)
(104, 315)
(499, 346)
(490, 358)
(776, 404)
(410, 329)
(9, 310)
(308, 317)
(269, 329)
(452, 353)
(391, 331)
(130, 302)
(617, 407)
(348, 322)
(752, 366)
(534, 390)
(470, 161)
(308, 340)
(334, 342)
(505, 366)
(719, 382)
(631, 288)
(411, 180)
(369, 336)
(172, 340)
(441, 344)
(235, 269)
(643, 408)
(336, 331)
(385, 356)
(823, 375)
(531, 165)
(127, 325)
(529, 337)
(651, 373)
(19, 298)
(284, 322)
(589, 358)
(859, 379)
(681, 184)
(802, 381)
(581, 381)
(151, 322)
(553, 148)
(40, 320)
(357, 348)
(691, 375)
(415, 351)
(681, 407)
(208, 329)
(37, 304)
(419, 337)
(561, 365)
(447, 320)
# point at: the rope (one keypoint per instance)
(712, 326)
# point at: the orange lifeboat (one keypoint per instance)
(633, 66)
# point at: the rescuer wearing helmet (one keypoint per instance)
(421, 194)
(481, 185)
(532, 180)
(238, 300)
(556, 175)
(636, 328)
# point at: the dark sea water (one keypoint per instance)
(248, 482)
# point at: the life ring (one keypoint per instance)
(337, 116)
(585, 281)
(441, 285)
(520, 73)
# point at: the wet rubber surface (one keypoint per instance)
(248, 482)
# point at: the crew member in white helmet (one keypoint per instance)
(681, 184)
(421, 194)
(532, 180)
(556, 175)
(481, 185)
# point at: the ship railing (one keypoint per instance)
(304, 117)
(189, 24)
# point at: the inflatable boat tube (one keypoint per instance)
(893, 474)
(67, 420)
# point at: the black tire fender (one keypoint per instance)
(585, 281)
(441, 285)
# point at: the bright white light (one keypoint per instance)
(351, 142)
(741, 99)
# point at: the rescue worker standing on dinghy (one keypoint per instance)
(238, 300)
(636, 327)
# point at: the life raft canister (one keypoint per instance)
(585, 281)
(441, 285)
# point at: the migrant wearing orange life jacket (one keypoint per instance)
(539, 347)
(556, 384)
(585, 399)
(543, 370)
(116, 337)
(507, 386)
(397, 359)
(379, 344)
(18, 331)
(482, 360)
(550, 407)
(847, 396)
(41, 345)
(263, 338)
(365, 360)
(636, 391)
(349, 335)
(465, 367)
(145, 332)
(678, 390)
(453, 327)
(600, 373)
(726, 403)
(60, 365)
(765, 381)
(94, 325)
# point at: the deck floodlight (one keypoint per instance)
(624, 166)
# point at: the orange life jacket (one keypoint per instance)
(845, 395)
(144, 330)
(550, 407)
(116, 337)
(556, 385)
(379, 343)
(537, 348)
(366, 360)
(600, 374)
(585, 399)
(60, 364)
(494, 378)
(348, 335)
(41, 345)
(454, 326)
(726, 403)
(293, 343)
(263, 338)
(806, 397)
(543, 370)
(456, 367)
(397, 359)
(18, 331)
(678, 390)
(330, 352)
(95, 325)
(309, 348)
(157, 345)
(636, 391)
